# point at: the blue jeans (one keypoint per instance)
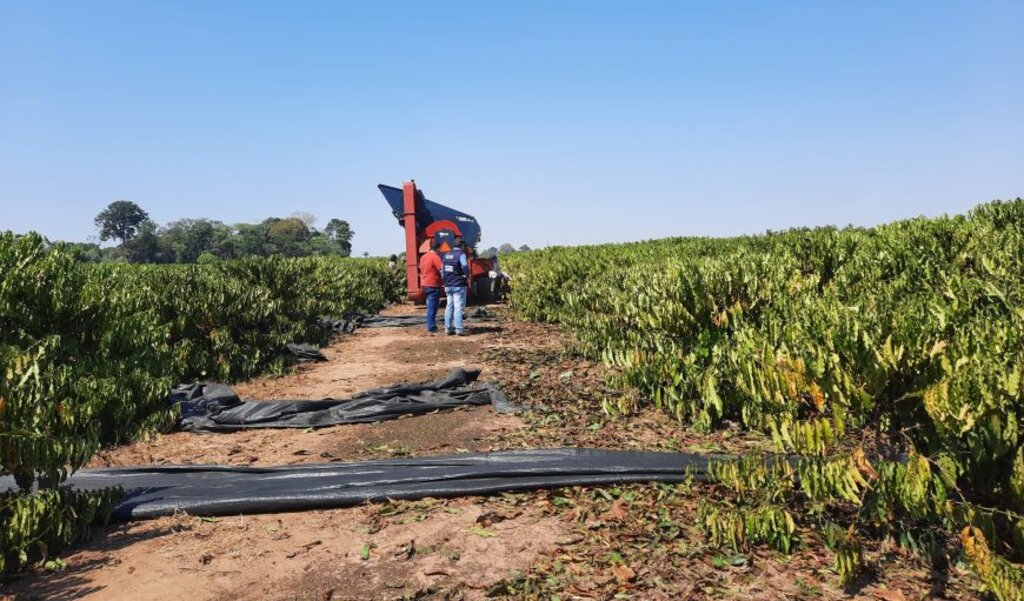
(456, 302)
(433, 298)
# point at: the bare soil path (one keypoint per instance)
(369, 358)
(634, 542)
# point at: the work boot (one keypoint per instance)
(450, 333)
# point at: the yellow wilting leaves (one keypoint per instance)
(817, 397)
(910, 333)
(828, 479)
(766, 477)
(1005, 580)
(891, 354)
(806, 437)
(1011, 381)
(849, 561)
(1017, 478)
(976, 549)
(792, 374)
(862, 463)
(738, 528)
(916, 485)
(936, 401)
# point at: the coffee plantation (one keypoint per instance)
(90, 352)
(886, 363)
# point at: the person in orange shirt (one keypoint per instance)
(430, 281)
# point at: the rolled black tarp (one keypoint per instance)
(217, 408)
(215, 490)
(306, 352)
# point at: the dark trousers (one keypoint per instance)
(433, 296)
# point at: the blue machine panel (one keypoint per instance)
(428, 211)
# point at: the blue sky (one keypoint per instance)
(552, 122)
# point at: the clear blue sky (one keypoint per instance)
(552, 122)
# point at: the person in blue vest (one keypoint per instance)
(455, 274)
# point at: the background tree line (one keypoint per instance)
(504, 249)
(204, 240)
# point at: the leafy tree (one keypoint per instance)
(250, 240)
(321, 244)
(489, 253)
(288, 237)
(506, 248)
(340, 232)
(189, 238)
(146, 246)
(83, 252)
(186, 240)
(223, 245)
(120, 220)
(308, 218)
(524, 248)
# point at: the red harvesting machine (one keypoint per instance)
(424, 220)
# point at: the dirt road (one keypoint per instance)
(635, 542)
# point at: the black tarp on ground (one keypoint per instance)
(214, 490)
(306, 352)
(217, 408)
(352, 321)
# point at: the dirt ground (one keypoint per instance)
(370, 358)
(629, 542)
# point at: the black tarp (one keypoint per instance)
(217, 408)
(215, 490)
(352, 321)
(306, 352)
